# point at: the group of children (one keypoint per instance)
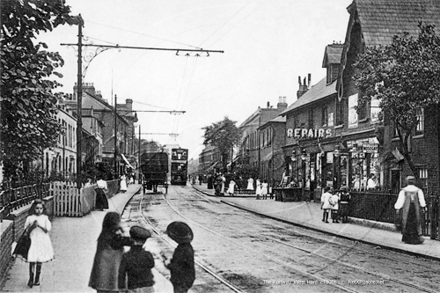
(336, 204)
(262, 189)
(113, 269)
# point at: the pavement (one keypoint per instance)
(309, 215)
(75, 238)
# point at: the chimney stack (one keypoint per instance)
(282, 104)
(268, 105)
(303, 87)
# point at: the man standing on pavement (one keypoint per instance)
(411, 200)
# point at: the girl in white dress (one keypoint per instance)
(258, 188)
(250, 185)
(231, 188)
(38, 227)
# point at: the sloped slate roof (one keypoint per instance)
(278, 119)
(316, 92)
(382, 19)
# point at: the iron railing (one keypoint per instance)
(14, 198)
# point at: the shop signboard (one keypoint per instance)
(309, 132)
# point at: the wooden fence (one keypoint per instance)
(69, 202)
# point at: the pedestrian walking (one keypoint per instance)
(123, 183)
(258, 188)
(344, 200)
(412, 201)
(101, 201)
(108, 256)
(37, 226)
(181, 265)
(250, 185)
(136, 264)
(334, 202)
(325, 204)
(264, 189)
(231, 187)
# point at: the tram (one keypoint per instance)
(179, 166)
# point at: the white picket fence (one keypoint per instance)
(69, 202)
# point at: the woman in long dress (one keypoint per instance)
(123, 183)
(258, 188)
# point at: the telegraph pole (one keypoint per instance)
(79, 108)
(139, 158)
(116, 137)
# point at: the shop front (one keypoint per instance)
(313, 165)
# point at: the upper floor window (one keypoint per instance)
(311, 118)
(420, 121)
(324, 116)
(339, 112)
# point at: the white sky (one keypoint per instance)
(267, 44)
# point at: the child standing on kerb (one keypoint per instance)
(181, 265)
(325, 203)
(136, 264)
(41, 250)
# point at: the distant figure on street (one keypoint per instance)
(250, 185)
(357, 182)
(136, 264)
(325, 204)
(334, 202)
(371, 183)
(258, 188)
(344, 199)
(37, 225)
(264, 189)
(111, 242)
(222, 189)
(210, 182)
(200, 179)
(412, 201)
(231, 188)
(181, 265)
(123, 186)
(88, 183)
(101, 202)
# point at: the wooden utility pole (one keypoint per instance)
(79, 108)
(116, 137)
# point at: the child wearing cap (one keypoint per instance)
(181, 265)
(136, 264)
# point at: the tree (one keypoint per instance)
(28, 105)
(224, 135)
(405, 77)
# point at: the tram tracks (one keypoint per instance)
(169, 242)
(332, 261)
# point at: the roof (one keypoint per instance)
(278, 119)
(316, 92)
(333, 54)
(382, 19)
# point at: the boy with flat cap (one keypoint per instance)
(136, 264)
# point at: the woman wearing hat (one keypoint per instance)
(412, 201)
(181, 265)
(344, 199)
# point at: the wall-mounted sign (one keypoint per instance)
(309, 132)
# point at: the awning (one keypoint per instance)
(126, 161)
(212, 166)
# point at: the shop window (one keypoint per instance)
(420, 121)
(324, 116)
